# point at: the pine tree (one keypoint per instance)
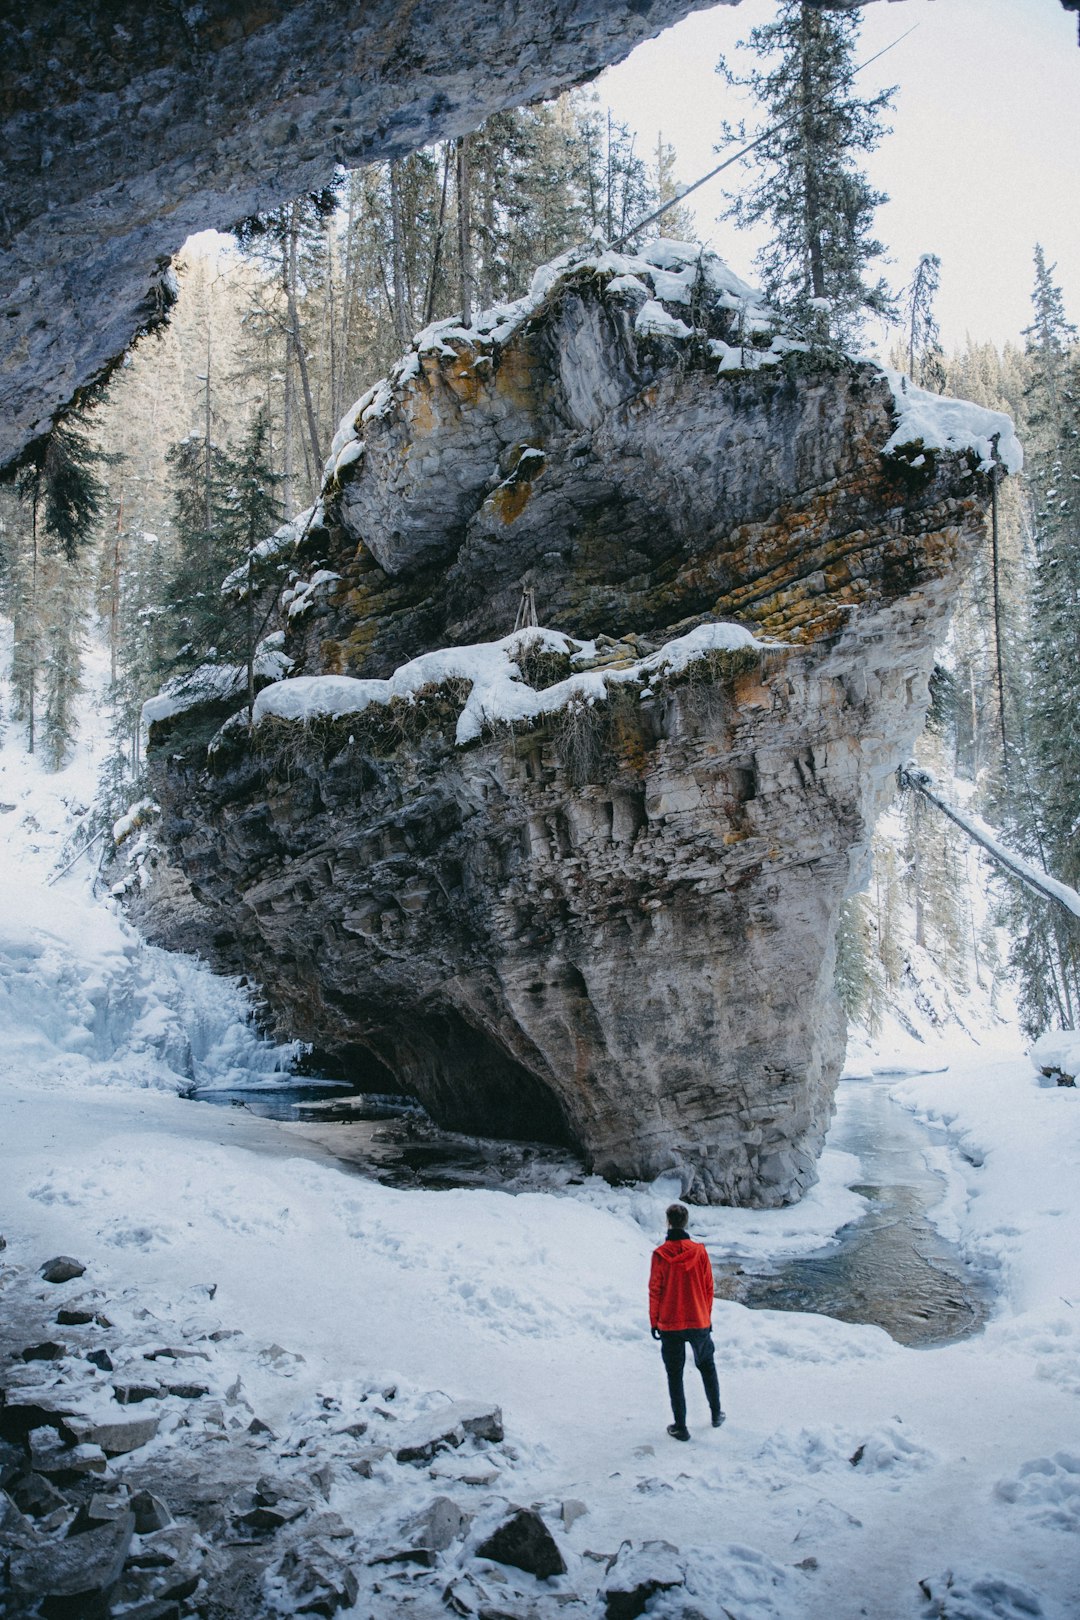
(201, 482)
(226, 504)
(62, 500)
(63, 615)
(254, 514)
(291, 245)
(678, 221)
(1039, 800)
(925, 359)
(1049, 340)
(616, 185)
(807, 185)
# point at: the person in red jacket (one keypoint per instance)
(680, 1314)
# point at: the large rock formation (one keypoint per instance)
(585, 886)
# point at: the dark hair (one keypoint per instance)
(678, 1216)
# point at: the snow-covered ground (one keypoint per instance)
(850, 1469)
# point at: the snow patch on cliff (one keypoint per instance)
(499, 694)
(932, 422)
(213, 683)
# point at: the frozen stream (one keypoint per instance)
(892, 1268)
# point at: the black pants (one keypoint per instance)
(673, 1349)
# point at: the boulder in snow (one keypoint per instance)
(12, 1462)
(572, 1510)
(427, 1533)
(62, 1268)
(115, 1439)
(150, 1513)
(82, 1571)
(1057, 1055)
(524, 1541)
(637, 1574)
(447, 1427)
(36, 1496)
(319, 1581)
(50, 1350)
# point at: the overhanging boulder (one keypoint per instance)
(584, 885)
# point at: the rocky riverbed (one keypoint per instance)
(140, 1480)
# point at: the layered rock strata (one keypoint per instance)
(585, 886)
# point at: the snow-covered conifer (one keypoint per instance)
(806, 184)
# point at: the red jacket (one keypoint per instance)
(680, 1286)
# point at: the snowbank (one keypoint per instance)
(499, 694)
(213, 683)
(932, 422)
(1058, 1054)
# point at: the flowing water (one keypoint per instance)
(891, 1267)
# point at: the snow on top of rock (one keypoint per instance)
(1057, 1052)
(744, 357)
(134, 816)
(668, 254)
(302, 597)
(499, 693)
(213, 683)
(936, 423)
(653, 320)
(627, 284)
(669, 269)
(347, 455)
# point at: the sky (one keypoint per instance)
(983, 160)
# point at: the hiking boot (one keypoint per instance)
(678, 1431)
(718, 1418)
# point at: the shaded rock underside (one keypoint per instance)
(133, 126)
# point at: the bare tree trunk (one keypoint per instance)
(331, 323)
(464, 231)
(296, 339)
(250, 633)
(114, 592)
(288, 478)
(348, 294)
(208, 504)
(32, 682)
(436, 252)
(917, 875)
(998, 638)
(913, 776)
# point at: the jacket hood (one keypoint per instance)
(680, 1253)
